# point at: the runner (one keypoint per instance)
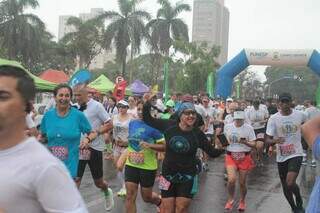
(284, 131)
(258, 117)
(241, 140)
(179, 181)
(100, 122)
(132, 111)
(112, 107)
(141, 164)
(31, 179)
(62, 126)
(120, 135)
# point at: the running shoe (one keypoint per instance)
(109, 202)
(242, 206)
(313, 163)
(122, 192)
(229, 205)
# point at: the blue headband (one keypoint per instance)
(184, 106)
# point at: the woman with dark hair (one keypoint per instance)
(63, 126)
(112, 106)
(179, 181)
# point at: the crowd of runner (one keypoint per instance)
(150, 142)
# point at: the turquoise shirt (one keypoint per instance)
(64, 134)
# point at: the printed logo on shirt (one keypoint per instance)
(179, 144)
(234, 137)
(288, 128)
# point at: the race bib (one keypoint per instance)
(164, 184)
(136, 158)
(84, 154)
(60, 152)
(286, 150)
(238, 156)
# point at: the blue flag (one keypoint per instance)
(80, 77)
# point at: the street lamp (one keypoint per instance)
(294, 77)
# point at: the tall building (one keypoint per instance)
(211, 25)
(101, 59)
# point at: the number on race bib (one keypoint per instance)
(164, 184)
(60, 152)
(286, 150)
(136, 158)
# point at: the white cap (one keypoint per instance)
(123, 102)
(229, 99)
(238, 115)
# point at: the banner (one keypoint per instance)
(120, 90)
(80, 77)
(166, 81)
(318, 96)
(210, 86)
(155, 89)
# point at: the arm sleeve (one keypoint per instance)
(271, 128)
(43, 128)
(102, 113)
(206, 146)
(57, 193)
(160, 124)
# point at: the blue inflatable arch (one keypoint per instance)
(246, 57)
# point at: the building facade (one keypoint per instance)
(105, 56)
(211, 25)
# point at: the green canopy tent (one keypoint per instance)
(41, 85)
(103, 85)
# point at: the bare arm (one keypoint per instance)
(311, 130)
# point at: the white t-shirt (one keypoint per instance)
(97, 116)
(33, 180)
(30, 123)
(288, 127)
(212, 114)
(120, 128)
(233, 134)
(312, 112)
(256, 117)
(200, 109)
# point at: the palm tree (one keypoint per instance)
(167, 27)
(20, 33)
(126, 27)
(85, 40)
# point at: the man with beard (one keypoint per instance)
(284, 131)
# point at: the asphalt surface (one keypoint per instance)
(264, 191)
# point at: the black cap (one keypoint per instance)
(285, 97)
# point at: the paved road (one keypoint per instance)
(264, 191)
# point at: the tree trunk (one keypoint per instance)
(132, 67)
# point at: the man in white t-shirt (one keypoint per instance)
(100, 121)
(258, 117)
(32, 179)
(284, 131)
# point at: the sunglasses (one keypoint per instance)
(121, 106)
(189, 112)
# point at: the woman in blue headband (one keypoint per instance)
(179, 182)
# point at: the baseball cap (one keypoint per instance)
(285, 97)
(238, 115)
(229, 99)
(170, 103)
(124, 103)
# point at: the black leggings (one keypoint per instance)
(290, 187)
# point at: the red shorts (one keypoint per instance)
(244, 164)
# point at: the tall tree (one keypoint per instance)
(85, 40)
(20, 32)
(167, 27)
(126, 27)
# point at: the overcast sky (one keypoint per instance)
(269, 24)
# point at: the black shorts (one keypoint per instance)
(140, 176)
(95, 165)
(290, 165)
(179, 190)
(258, 131)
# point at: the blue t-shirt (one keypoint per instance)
(316, 148)
(64, 134)
(140, 131)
